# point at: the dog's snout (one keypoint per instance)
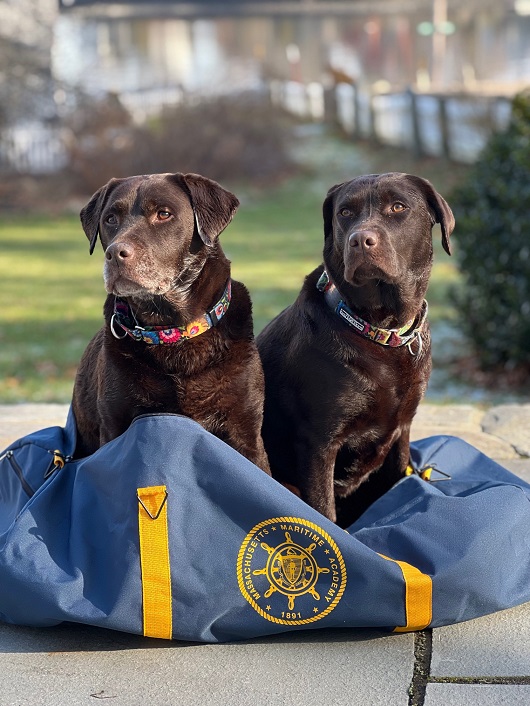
(119, 251)
(363, 239)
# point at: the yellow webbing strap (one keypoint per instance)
(154, 560)
(418, 597)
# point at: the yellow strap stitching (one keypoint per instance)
(154, 560)
(418, 597)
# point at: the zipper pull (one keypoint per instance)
(59, 459)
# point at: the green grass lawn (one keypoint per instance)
(52, 290)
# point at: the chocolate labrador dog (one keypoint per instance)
(178, 334)
(348, 362)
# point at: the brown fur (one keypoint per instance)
(338, 407)
(162, 255)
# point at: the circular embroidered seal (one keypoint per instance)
(290, 571)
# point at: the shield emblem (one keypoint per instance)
(292, 567)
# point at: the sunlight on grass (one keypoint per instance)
(52, 292)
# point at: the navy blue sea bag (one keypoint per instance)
(168, 532)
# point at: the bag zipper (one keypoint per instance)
(19, 472)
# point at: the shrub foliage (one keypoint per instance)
(226, 138)
(492, 211)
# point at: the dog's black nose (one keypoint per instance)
(119, 251)
(363, 239)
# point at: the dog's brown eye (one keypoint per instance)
(163, 215)
(345, 212)
(111, 219)
(398, 207)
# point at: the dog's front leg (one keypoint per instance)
(109, 432)
(316, 473)
(114, 420)
(255, 452)
(242, 431)
(398, 457)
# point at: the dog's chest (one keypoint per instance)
(374, 397)
(183, 379)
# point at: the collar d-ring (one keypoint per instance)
(112, 328)
(417, 336)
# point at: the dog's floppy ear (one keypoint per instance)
(439, 207)
(327, 209)
(91, 213)
(213, 206)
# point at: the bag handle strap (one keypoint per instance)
(418, 597)
(154, 561)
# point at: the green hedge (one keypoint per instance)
(492, 210)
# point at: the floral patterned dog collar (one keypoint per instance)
(160, 335)
(385, 337)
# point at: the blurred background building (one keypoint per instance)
(208, 45)
(151, 55)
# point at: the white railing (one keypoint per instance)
(455, 126)
(32, 148)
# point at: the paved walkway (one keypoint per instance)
(484, 662)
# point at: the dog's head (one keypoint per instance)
(378, 229)
(154, 227)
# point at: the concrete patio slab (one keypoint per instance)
(464, 421)
(77, 665)
(512, 424)
(477, 695)
(494, 646)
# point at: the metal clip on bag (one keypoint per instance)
(168, 532)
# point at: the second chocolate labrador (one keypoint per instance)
(347, 364)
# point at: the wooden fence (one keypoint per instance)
(452, 125)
